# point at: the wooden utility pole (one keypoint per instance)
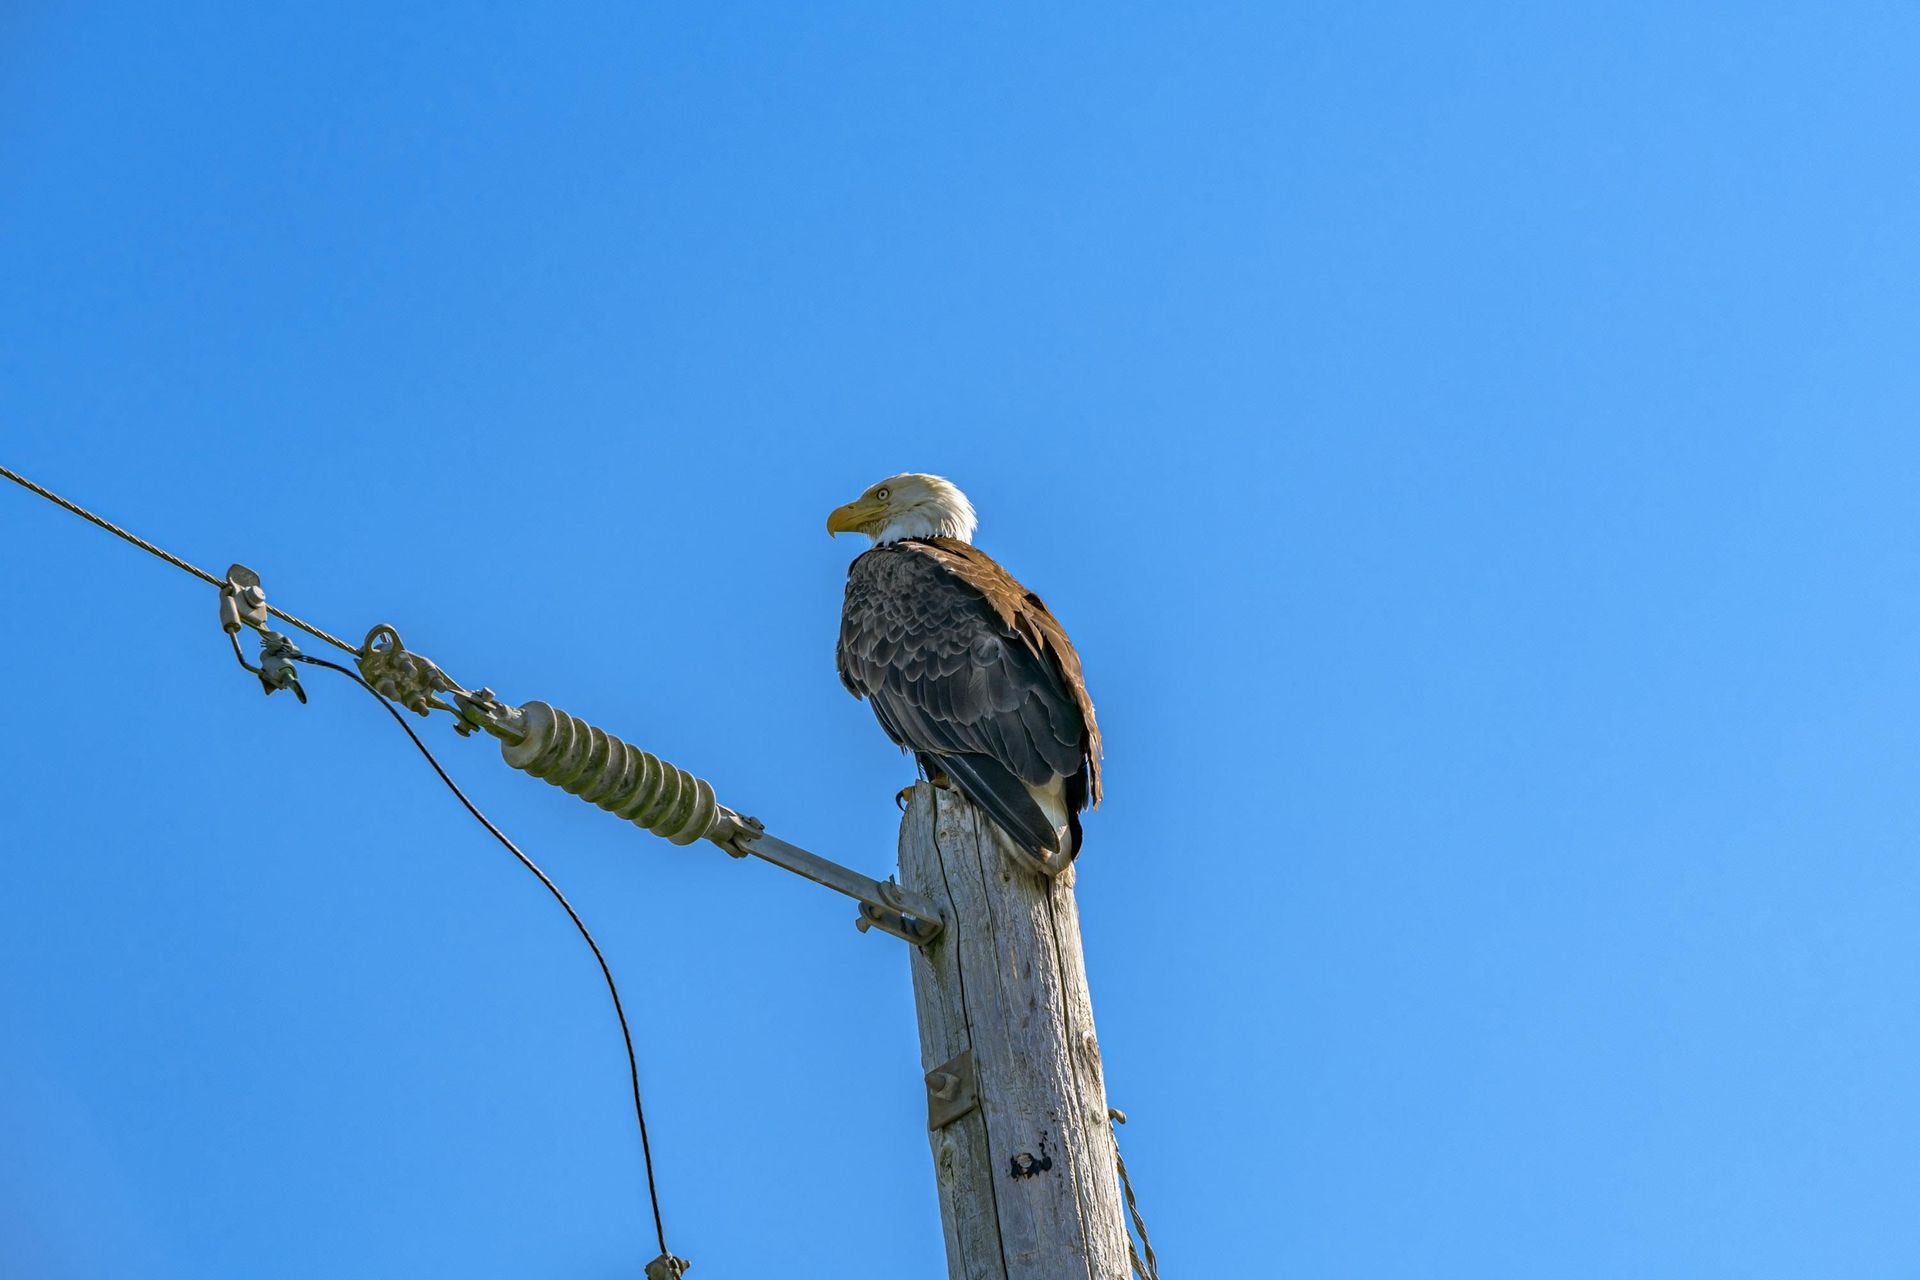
(1017, 1106)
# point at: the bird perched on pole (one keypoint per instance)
(966, 668)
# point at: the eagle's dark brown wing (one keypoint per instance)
(968, 669)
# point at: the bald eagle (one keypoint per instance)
(966, 668)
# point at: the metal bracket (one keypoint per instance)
(952, 1091)
(909, 928)
(900, 913)
(884, 905)
(243, 602)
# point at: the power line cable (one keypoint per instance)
(606, 971)
(168, 556)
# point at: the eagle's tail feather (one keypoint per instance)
(994, 790)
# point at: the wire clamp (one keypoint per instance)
(416, 682)
(410, 679)
(243, 602)
(667, 1267)
(277, 656)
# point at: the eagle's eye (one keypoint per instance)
(881, 494)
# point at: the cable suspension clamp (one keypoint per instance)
(243, 602)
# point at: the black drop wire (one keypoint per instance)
(626, 1034)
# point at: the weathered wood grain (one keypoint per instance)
(1027, 1182)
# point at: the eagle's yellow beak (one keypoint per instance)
(854, 517)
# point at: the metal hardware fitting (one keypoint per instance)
(904, 915)
(952, 1091)
(413, 680)
(242, 600)
(667, 1267)
(277, 669)
(243, 603)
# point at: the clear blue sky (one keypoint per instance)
(1474, 447)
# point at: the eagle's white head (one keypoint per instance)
(907, 506)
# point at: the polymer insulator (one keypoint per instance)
(622, 779)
